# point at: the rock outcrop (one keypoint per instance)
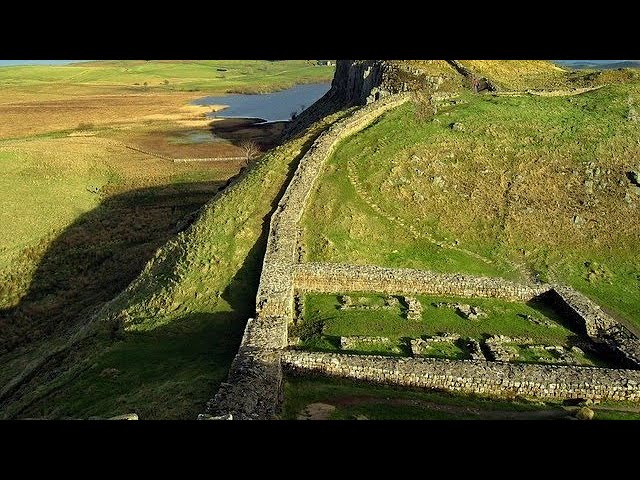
(355, 82)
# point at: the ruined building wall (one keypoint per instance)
(275, 292)
(253, 386)
(599, 326)
(495, 379)
(340, 278)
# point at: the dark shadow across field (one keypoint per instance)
(169, 371)
(98, 256)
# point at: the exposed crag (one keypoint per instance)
(355, 82)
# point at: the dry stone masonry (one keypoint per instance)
(253, 387)
(600, 327)
(338, 278)
(502, 349)
(422, 346)
(275, 291)
(475, 351)
(414, 308)
(496, 379)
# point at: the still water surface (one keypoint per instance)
(271, 107)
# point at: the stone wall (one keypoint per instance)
(275, 292)
(494, 379)
(252, 389)
(254, 383)
(340, 278)
(599, 326)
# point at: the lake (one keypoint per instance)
(272, 107)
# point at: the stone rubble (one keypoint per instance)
(475, 350)
(414, 308)
(500, 350)
(422, 346)
(337, 278)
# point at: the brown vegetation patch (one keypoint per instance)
(37, 116)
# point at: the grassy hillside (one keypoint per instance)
(82, 213)
(544, 75)
(516, 74)
(127, 76)
(517, 187)
(162, 347)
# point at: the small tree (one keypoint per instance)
(250, 149)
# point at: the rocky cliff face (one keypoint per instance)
(358, 82)
(355, 82)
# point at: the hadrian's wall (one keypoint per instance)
(275, 292)
(496, 379)
(340, 278)
(253, 386)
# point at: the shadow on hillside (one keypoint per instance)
(97, 257)
(170, 371)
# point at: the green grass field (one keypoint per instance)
(503, 318)
(80, 207)
(82, 216)
(323, 322)
(215, 76)
(528, 186)
(507, 195)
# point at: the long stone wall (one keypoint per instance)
(275, 293)
(340, 278)
(495, 379)
(254, 384)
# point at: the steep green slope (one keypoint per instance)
(163, 345)
(510, 186)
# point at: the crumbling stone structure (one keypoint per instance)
(496, 379)
(338, 278)
(596, 324)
